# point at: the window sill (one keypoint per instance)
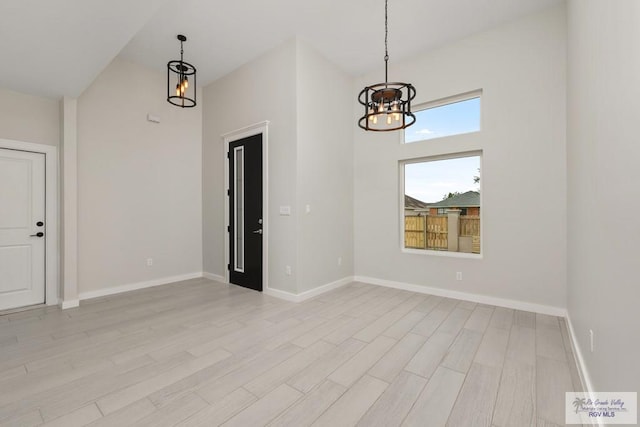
(441, 253)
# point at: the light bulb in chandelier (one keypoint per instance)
(395, 111)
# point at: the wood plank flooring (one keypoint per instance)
(200, 353)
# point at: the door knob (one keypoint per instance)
(38, 234)
(259, 231)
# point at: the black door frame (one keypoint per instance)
(255, 129)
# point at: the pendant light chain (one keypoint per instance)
(387, 106)
(181, 64)
(386, 37)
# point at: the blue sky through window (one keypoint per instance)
(430, 181)
(449, 119)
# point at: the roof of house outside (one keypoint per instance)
(469, 199)
(412, 203)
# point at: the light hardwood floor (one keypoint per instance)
(200, 353)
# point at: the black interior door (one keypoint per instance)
(245, 212)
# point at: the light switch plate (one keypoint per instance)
(153, 118)
(285, 210)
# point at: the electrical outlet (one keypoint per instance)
(287, 270)
(339, 261)
(591, 339)
(459, 275)
(149, 262)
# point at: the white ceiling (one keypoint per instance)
(57, 47)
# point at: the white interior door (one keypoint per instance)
(22, 228)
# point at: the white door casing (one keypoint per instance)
(22, 208)
(228, 138)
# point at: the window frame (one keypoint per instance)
(401, 221)
(466, 96)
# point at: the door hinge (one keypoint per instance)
(228, 229)
(228, 154)
(228, 192)
(229, 267)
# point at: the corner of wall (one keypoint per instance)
(324, 171)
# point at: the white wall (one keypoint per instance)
(29, 118)
(325, 170)
(263, 89)
(521, 69)
(307, 101)
(139, 183)
(603, 190)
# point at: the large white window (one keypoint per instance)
(451, 116)
(442, 203)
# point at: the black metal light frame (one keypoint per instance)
(181, 80)
(387, 106)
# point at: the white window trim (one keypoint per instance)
(401, 223)
(449, 100)
(441, 102)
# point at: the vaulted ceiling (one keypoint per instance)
(57, 48)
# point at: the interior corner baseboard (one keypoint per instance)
(139, 285)
(69, 303)
(215, 277)
(585, 378)
(288, 296)
(466, 296)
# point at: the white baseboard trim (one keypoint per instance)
(215, 277)
(585, 378)
(288, 296)
(135, 286)
(482, 299)
(69, 303)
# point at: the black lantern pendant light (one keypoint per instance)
(181, 81)
(387, 106)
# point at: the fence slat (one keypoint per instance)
(414, 232)
(437, 232)
(431, 231)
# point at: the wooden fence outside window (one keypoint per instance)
(431, 232)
